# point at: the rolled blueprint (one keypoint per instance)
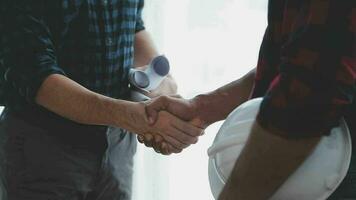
(148, 79)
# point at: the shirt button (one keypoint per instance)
(109, 41)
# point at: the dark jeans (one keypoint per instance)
(38, 166)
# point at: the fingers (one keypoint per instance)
(184, 109)
(197, 123)
(169, 145)
(176, 133)
(175, 143)
(183, 138)
(161, 146)
(148, 140)
(181, 130)
(187, 128)
(158, 144)
(140, 139)
(157, 141)
(179, 134)
(167, 149)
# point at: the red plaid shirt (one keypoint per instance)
(307, 66)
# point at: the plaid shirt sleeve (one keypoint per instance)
(315, 84)
(29, 54)
(139, 21)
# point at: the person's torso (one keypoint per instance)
(94, 41)
(94, 45)
(287, 20)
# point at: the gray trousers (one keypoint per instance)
(37, 166)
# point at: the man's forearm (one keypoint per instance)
(218, 104)
(70, 100)
(67, 98)
(264, 164)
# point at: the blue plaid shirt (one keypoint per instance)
(89, 41)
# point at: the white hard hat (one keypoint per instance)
(315, 179)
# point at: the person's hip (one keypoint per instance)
(32, 159)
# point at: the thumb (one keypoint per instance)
(198, 123)
(153, 107)
(152, 114)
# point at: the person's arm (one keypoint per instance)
(205, 108)
(202, 110)
(33, 72)
(264, 164)
(217, 105)
(65, 97)
(145, 51)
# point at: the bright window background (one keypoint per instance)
(209, 44)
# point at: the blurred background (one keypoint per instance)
(209, 44)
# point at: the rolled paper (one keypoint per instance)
(150, 78)
(156, 72)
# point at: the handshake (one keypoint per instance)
(173, 124)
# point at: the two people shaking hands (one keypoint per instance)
(194, 115)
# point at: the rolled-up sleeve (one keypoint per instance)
(139, 21)
(316, 83)
(29, 53)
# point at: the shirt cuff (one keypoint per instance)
(28, 88)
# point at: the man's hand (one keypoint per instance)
(163, 146)
(203, 109)
(183, 109)
(179, 107)
(176, 132)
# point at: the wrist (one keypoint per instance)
(130, 116)
(202, 108)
